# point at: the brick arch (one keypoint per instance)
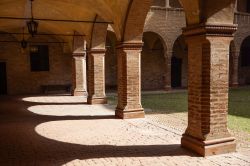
(135, 19)
(98, 35)
(245, 43)
(159, 35)
(179, 63)
(212, 11)
(239, 40)
(153, 55)
(180, 42)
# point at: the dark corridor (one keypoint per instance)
(3, 79)
(176, 72)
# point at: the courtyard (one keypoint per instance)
(64, 130)
(60, 59)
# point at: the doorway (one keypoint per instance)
(3, 79)
(176, 72)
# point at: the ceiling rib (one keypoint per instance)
(28, 42)
(39, 34)
(57, 20)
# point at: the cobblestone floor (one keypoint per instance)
(63, 130)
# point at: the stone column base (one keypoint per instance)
(129, 114)
(211, 147)
(97, 100)
(79, 93)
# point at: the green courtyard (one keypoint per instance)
(176, 102)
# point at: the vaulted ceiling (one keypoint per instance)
(110, 10)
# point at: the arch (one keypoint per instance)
(245, 51)
(244, 62)
(157, 35)
(111, 61)
(134, 21)
(212, 11)
(98, 36)
(179, 63)
(153, 62)
(153, 18)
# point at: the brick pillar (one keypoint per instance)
(79, 81)
(167, 80)
(96, 77)
(129, 81)
(235, 68)
(208, 58)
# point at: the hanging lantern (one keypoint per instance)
(32, 27)
(24, 44)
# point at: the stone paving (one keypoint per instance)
(63, 130)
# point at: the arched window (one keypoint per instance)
(245, 52)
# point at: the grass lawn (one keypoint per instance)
(166, 103)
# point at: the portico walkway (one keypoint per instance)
(63, 130)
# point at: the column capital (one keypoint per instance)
(82, 54)
(210, 30)
(97, 51)
(130, 45)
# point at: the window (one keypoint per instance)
(248, 6)
(39, 58)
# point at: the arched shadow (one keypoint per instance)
(21, 144)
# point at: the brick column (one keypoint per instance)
(129, 81)
(235, 69)
(208, 58)
(167, 80)
(79, 81)
(96, 77)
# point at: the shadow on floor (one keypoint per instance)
(21, 145)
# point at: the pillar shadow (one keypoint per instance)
(20, 144)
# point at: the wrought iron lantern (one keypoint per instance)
(32, 25)
(24, 44)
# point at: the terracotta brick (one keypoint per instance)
(129, 81)
(208, 91)
(96, 77)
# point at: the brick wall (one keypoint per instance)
(153, 63)
(167, 24)
(20, 79)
